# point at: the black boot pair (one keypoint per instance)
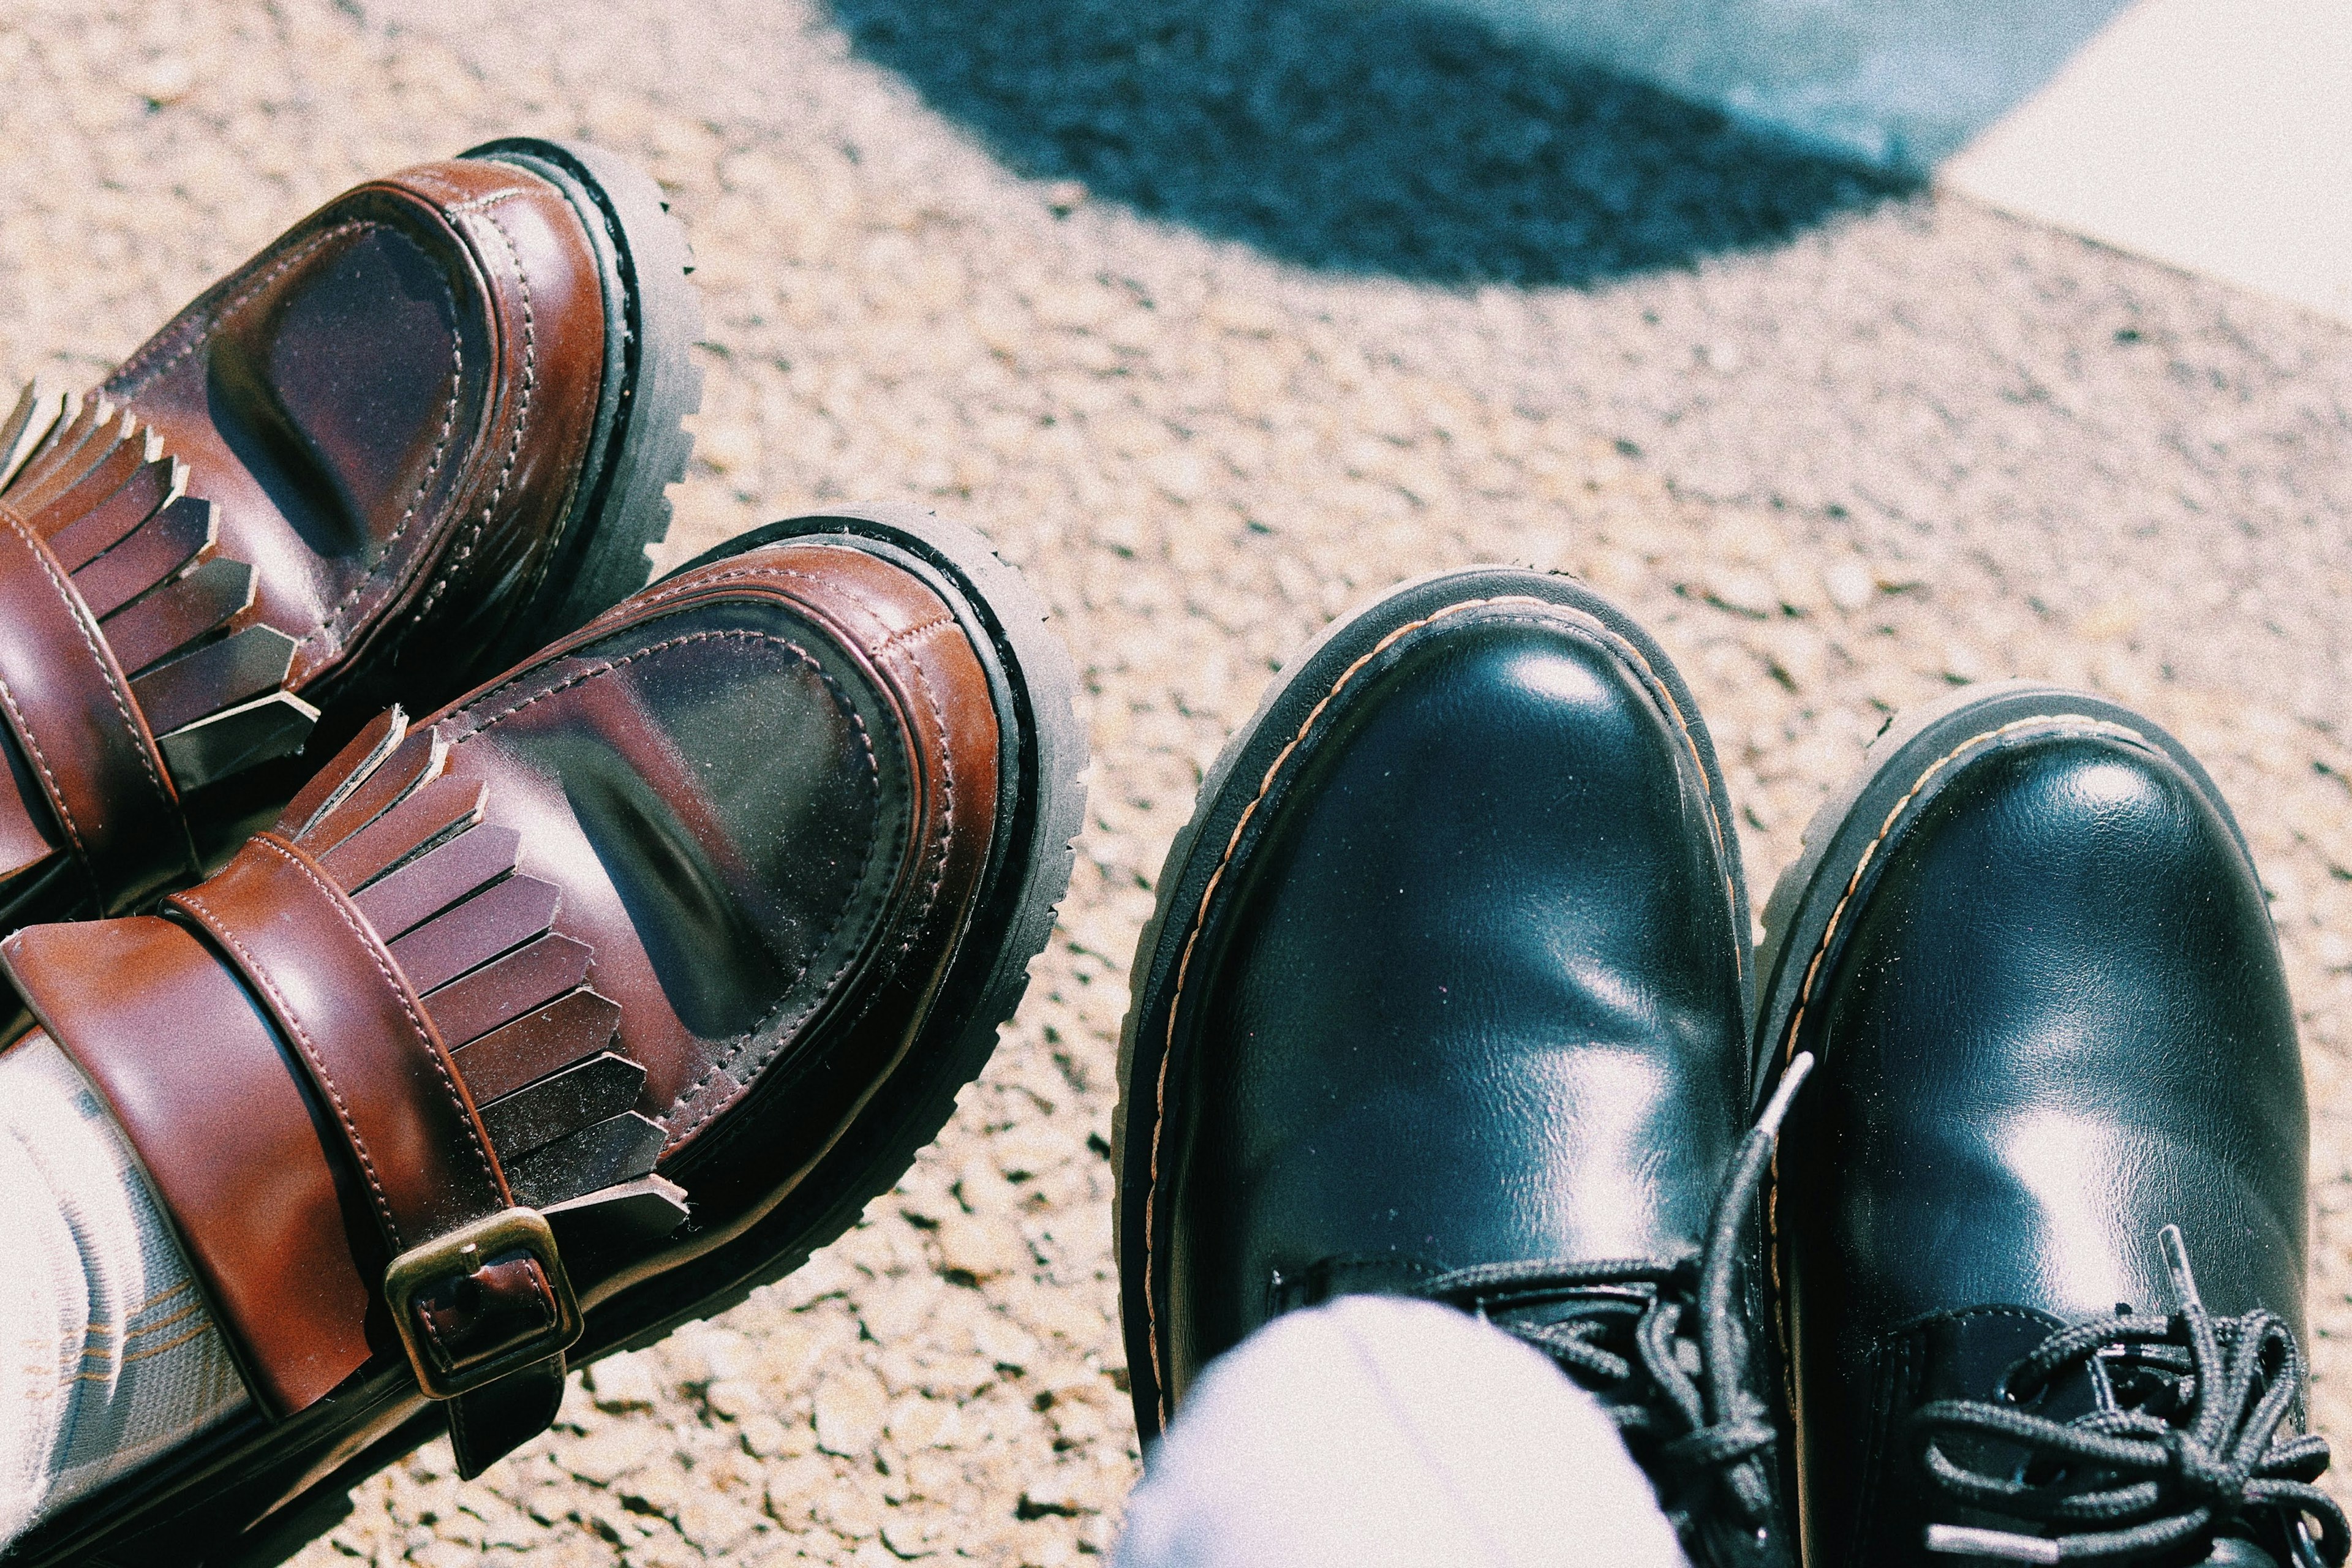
(1449, 995)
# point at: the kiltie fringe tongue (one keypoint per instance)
(537, 1047)
(98, 492)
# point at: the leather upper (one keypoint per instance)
(1468, 988)
(651, 914)
(338, 474)
(2051, 1020)
(389, 406)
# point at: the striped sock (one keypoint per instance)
(108, 1357)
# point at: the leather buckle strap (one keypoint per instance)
(476, 1287)
(489, 1299)
(71, 709)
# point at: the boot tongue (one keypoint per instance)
(1971, 1357)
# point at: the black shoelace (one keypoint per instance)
(2190, 1446)
(1658, 1341)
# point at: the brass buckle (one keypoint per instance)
(458, 1253)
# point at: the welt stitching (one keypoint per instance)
(521, 427)
(201, 326)
(608, 665)
(195, 905)
(484, 204)
(424, 1035)
(76, 611)
(734, 574)
(2081, 722)
(736, 1047)
(1208, 894)
(432, 467)
(645, 601)
(947, 797)
(907, 634)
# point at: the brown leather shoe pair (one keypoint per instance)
(529, 1029)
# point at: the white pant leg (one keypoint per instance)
(1376, 1432)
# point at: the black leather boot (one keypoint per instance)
(2040, 1218)
(1444, 998)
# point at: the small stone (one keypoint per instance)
(624, 1381)
(1851, 586)
(656, 1490)
(1743, 594)
(610, 1454)
(763, 1436)
(980, 1248)
(912, 1535)
(815, 1282)
(2335, 950)
(1064, 1492)
(791, 1485)
(849, 1510)
(1003, 1341)
(729, 448)
(444, 1554)
(920, 1423)
(1962, 664)
(1065, 196)
(735, 1398)
(851, 1407)
(2109, 622)
(716, 1524)
(165, 79)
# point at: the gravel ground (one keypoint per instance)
(1839, 447)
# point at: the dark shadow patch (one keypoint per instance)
(1357, 138)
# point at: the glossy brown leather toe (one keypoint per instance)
(519, 1014)
(365, 464)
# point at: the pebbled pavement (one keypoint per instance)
(1840, 446)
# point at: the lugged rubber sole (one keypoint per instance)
(639, 445)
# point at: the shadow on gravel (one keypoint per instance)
(1355, 137)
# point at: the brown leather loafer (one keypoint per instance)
(580, 1008)
(425, 431)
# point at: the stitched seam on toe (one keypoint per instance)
(2078, 723)
(946, 838)
(522, 427)
(432, 467)
(203, 327)
(1612, 640)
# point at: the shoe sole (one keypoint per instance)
(1227, 792)
(638, 445)
(1043, 756)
